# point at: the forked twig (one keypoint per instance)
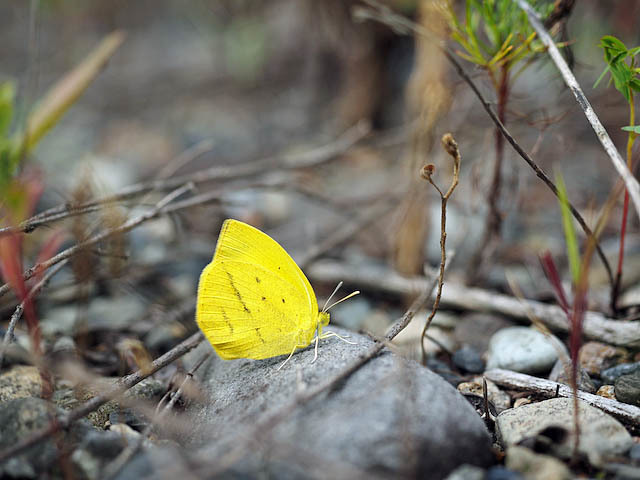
(451, 147)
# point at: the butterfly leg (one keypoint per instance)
(334, 334)
(315, 353)
(288, 358)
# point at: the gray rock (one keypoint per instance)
(535, 466)
(561, 373)
(627, 388)
(96, 450)
(601, 436)
(522, 350)
(18, 419)
(610, 375)
(20, 382)
(367, 425)
(501, 473)
(596, 357)
(467, 472)
(468, 360)
(476, 329)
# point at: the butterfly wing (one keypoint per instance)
(253, 300)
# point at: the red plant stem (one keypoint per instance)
(625, 209)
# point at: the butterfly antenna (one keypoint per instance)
(324, 309)
(352, 294)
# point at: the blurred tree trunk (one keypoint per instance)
(428, 99)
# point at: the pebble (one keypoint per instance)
(365, 423)
(561, 373)
(500, 399)
(501, 473)
(468, 360)
(20, 382)
(610, 375)
(408, 340)
(601, 435)
(627, 388)
(596, 357)
(476, 330)
(535, 466)
(521, 349)
(634, 453)
(467, 472)
(607, 391)
(19, 418)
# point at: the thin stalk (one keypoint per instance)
(494, 216)
(615, 291)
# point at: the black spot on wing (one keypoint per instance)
(237, 292)
(226, 320)
(283, 300)
(257, 280)
(259, 335)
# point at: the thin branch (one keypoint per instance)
(160, 209)
(404, 26)
(17, 314)
(65, 420)
(451, 147)
(121, 460)
(596, 326)
(627, 413)
(307, 159)
(629, 180)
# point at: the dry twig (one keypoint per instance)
(629, 414)
(596, 325)
(451, 147)
(17, 314)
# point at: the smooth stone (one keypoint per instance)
(16, 354)
(467, 472)
(521, 349)
(610, 375)
(365, 423)
(627, 388)
(601, 435)
(596, 357)
(164, 337)
(468, 360)
(501, 473)
(634, 453)
(20, 382)
(561, 373)
(534, 466)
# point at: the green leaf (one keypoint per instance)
(569, 232)
(7, 100)
(632, 128)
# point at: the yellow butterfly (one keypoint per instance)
(254, 301)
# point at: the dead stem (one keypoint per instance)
(17, 314)
(160, 209)
(451, 147)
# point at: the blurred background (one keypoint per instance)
(335, 115)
